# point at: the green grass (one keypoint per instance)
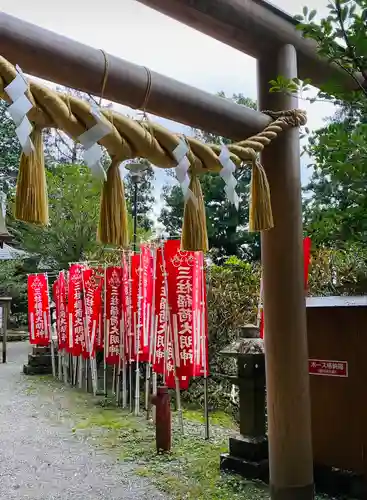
(190, 472)
(216, 418)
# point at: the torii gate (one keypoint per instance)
(259, 29)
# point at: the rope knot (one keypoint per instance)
(292, 117)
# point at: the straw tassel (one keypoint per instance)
(31, 202)
(113, 220)
(261, 215)
(194, 233)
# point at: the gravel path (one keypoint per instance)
(40, 459)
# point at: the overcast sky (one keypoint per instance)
(134, 32)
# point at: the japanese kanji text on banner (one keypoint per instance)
(38, 310)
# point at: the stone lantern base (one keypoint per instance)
(248, 453)
(248, 456)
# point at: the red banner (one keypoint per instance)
(134, 293)
(125, 302)
(55, 298)
(160, 317)
(113, 314)
(92, 287)
(76, 343)
(99, 343)
(306, 268)
(146, 298)
(205, 340)
(38, 310)
(200, 311)
(181, 340)
(62, 314)
(181, 268)
(306, 259)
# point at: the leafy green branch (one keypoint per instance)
(341, 40)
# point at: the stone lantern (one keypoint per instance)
(248, 453)
(4, 234)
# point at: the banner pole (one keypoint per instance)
(93, 364)
(86, 366)
(72, 358)
(105, 346)
(121, 354)
(70, 369)
(124, 383)
(154, 391)
(75, 368)
(80, 371)
(59, 366)
(131, 331)
(147, 390)
(204, 344)
(86, 333)
(154, 378)
(171, 334)
(63, 367)
(66, 360)
(152, 340)
(137, 342)
(49, 328)
(126, 327)
(113, 387)
(53, 358)
(57, 327)
(90, 342)
(121, 378)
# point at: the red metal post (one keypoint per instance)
(163, 419)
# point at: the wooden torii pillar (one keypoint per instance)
(286, 353)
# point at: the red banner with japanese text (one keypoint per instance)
(38, 310)
(76, 344)
(181, 268)
(62, 312)
(55, 298)
(306, 267)
(146, 298)
(160, 317)
(125, 302)
(134, 294)
(200, 311)
(99, 340)
(113, 314)
(92, 287)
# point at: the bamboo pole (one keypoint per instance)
(80, 371)
(203, 350)
(152, 339)
(121, 355)
(172, 338)
(131, 330)
(139, 327)
(49, 330)
(106, 333)
(126, 334)
(89, 346)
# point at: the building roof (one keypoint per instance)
(337, 301)
(10, 253)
